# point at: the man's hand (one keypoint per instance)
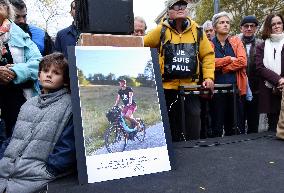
(6, 75)
(208, 84)
(280, 84)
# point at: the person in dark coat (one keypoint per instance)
(270, 68)
(248, 28)
(67, 36)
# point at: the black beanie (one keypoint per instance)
(249, 19)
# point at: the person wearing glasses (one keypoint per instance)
(139, 26)
(182, 46)
(270, 68)
(248, 28)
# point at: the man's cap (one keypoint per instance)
(249, 19)
(170, 3)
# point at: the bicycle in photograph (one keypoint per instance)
(118, 134)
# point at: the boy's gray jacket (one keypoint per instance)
(39, 125)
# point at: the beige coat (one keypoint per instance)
(280, 125)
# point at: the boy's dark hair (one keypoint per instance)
(19, 4)
(267, 28)
(59, 61)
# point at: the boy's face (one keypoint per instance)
(51, 79)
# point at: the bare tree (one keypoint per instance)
(49, 12)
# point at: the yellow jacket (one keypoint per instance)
(206, 52)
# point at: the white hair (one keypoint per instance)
(207, 24)
(216, 17)
(141, 19)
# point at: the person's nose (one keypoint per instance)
(48, 74)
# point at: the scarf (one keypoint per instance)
(4, 36)
(272, 54)
(248, 39)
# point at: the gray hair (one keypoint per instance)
(10, 9)
(216, 17)
(139, 18)
(207, 24)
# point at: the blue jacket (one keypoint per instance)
(63, 157)
(28, 70)
(37, 37)
(66, 37)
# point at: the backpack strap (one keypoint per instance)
(199, 37)
(197, 40)
(162, 39)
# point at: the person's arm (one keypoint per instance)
(152, 39)
(261, 70)
(63, 157)
(4, 146)
(222, 62)
(130, 98)
(207, 58)
(57, 44)
(6, 75)
(27, 70)
(117, 100)
(238, 62)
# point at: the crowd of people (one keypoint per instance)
(37, 141)
(36, 127)
(251, 65)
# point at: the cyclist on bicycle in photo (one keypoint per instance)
(125, 93)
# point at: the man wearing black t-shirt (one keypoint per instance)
(125, 93)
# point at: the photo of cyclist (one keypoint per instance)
(125, 93)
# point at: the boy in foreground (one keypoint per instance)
(42, 146)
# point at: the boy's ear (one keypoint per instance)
(38, 75)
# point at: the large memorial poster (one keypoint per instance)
(121, 125)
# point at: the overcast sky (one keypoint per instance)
(148, 9)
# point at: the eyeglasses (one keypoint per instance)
(278, 23)
(178, 7)
(249, 26)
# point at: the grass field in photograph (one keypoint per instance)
(96, 100)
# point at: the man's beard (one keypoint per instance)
(25, 28)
